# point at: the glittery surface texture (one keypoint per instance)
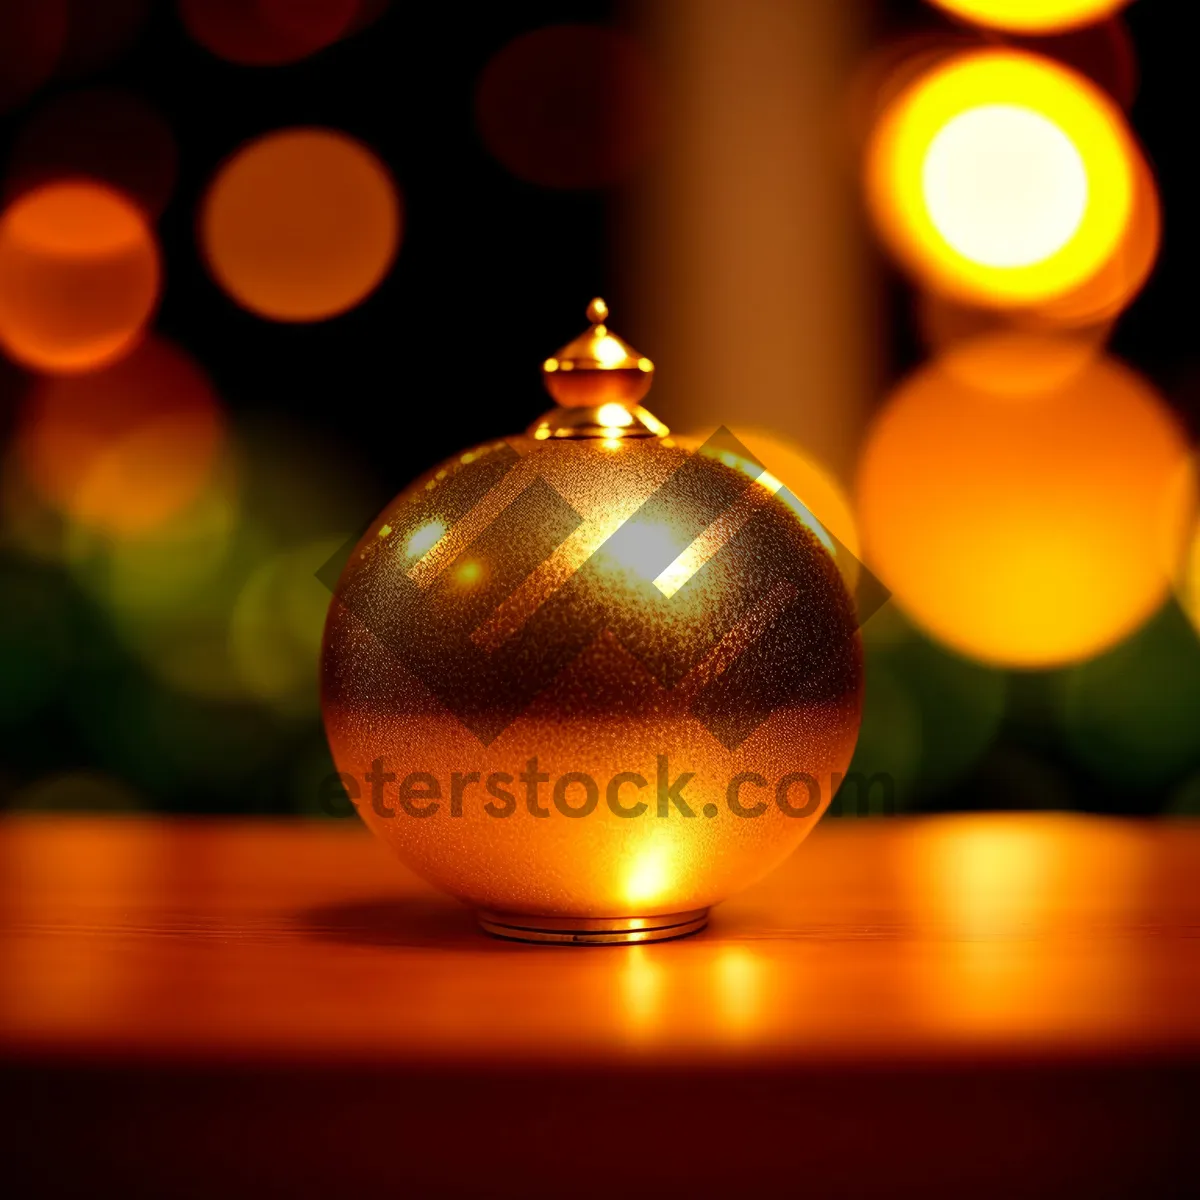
(606, 608)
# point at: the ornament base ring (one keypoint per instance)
(593, 931)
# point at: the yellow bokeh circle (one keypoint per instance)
(1026, 534)
(1001, 177)
(1032, 16)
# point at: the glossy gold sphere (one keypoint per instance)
(624, 611)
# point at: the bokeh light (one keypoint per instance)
(986, 351)
(1022, 351)
(1107, 293)
(267, 32)
(1002, 177)
(221, 603)
(929, 714)
(79, 276)
(569, 106)
(102, 134)
(161, 573)
(301, 225)
(277, 624)
(977, 205)
(78, 791)
(30, 526)
(32, 35)
(1130, 715)
(1104, 52)
(1032, 16)
(1030, 533)
(124, 449)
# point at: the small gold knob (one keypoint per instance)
(598, 367)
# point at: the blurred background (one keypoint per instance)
(264, 261)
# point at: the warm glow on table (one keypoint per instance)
(1025, 922)
(284, 1000)
(208, 1003)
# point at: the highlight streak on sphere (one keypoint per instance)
(79, 277)
(1026, 532)
(1002, 178)
(126, 449)
(301, 225)
(808, 481)
(1032, 16)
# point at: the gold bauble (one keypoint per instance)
(625, 611)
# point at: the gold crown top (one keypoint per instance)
(597, 367)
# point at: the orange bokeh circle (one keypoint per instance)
(124, 449)
(1026, 534)
(79, 276)
(301, 225)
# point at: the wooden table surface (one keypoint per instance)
(992, 1004)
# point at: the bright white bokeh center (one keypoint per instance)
(1004, 185)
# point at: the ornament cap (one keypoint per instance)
(613, 421)
(598, 367)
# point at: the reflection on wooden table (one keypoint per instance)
(1041, 969)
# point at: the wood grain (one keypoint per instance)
(907, 1006)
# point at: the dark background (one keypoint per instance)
(492, 275)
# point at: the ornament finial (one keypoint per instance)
(598, 380)
(598, 367)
